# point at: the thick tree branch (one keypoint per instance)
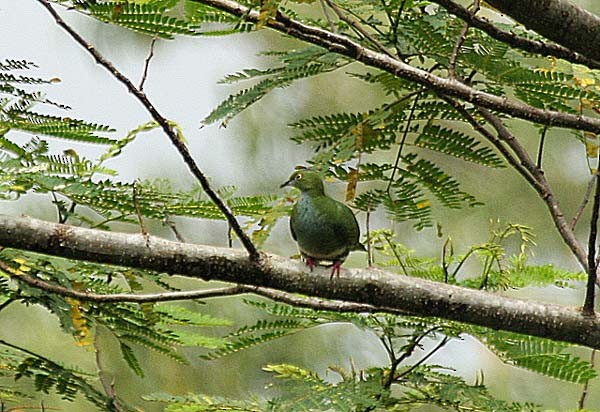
(523, 43)
(164, 124)
(558, 20)
(372, 287)
(451, 87)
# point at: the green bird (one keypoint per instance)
(325, 229)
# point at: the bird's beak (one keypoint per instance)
(286, 183)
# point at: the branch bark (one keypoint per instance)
(450, 87)
(372, 287)
(558, 20)
(523, 43)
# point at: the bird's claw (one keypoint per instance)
(335, 269)
(310, 262)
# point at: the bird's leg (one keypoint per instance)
(335, 269)
(310, 262)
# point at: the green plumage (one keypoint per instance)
(325, 229)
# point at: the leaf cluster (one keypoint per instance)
(162, 328)
(403, 133)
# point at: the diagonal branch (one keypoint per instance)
(561, 21)
(451, 87)
(459, 43)
(520, 42)
(356, 26)
(373, 287)
(520, 160)
(542, 186)
(164, 124)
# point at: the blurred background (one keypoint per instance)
(254, 153)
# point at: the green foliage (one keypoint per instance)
(426, 386)
(202, 403)
(215, 22)
(303, 390)
(542, 356)
(413, 119)
(391, 149)
(148, 18)
(455, 143)
(296, 64)
(17, 108)
(156, 327)
(30, 168)
(47, 376)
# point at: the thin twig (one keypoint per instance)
(541, 147)
(147, 63)
(138, 211)
(369, 246)
(447, 244)
(459, 42)
(587, 382)
(125, 297)
(164, 123)
(317, 303)
(328, 16)
(592, 269)
(108, 386)
(439, 346)
(356, 26)
(397, 256)
(457, 45)
(541, 185)
(524, 165)
(395, 26)
(167, 221)
(401, 146)
(395, 362)
(63, 215)
(586, 199)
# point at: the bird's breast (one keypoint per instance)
(316, 231)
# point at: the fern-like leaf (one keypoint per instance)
(458, 144)
(543, 356)
(147, 18)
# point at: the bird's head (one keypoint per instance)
(306, 180)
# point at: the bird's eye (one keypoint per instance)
(299, 176)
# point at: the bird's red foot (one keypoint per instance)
(335, 269)
(310, 262)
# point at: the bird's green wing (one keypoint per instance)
(346, 225)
